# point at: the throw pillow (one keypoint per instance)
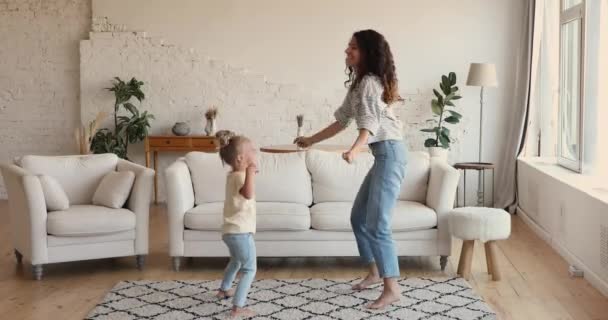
(114, 189)
(54, 196)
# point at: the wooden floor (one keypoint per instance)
(535, 281)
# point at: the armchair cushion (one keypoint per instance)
(114, 189)
(78, 175)
(54, 196)
(89, 220)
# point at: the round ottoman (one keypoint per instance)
(479, 223)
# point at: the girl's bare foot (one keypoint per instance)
(390, 295)
(225, 294)
(385, 300)
(242, 313)
(369, 280)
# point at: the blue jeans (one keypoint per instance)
(243, 259)
(372, 210)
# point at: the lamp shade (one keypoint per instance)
(482, 75)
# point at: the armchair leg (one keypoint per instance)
(443, 262)
(177, 262)
(139, 261)
(18, 256)
(37, 271)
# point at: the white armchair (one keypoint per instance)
(83, 231)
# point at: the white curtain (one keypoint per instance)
(518, 126)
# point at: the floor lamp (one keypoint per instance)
(481, 75)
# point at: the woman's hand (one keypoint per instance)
(349, 156)
(303, 142)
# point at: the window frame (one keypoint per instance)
(573, 13)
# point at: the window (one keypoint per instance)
(571, 75)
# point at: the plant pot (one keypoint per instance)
(439, 153)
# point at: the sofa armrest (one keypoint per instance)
(180, 198)
(139, 201)
(441, 193)
(27, 210)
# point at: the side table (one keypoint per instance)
(481, 168)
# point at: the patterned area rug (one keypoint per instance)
(292, 299)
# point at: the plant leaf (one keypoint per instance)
(452, 78)
(452, 120)
(456, 97)
(428, 130)
(131, 108)
(430, 143)
(446, 81)
(455, 114)
(436, 107)
(445, 141)
(437, 94)
(449, 103)
(454, 89)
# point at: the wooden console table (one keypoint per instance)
(156, 144)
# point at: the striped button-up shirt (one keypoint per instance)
(364, 104)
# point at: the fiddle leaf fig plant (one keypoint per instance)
(128, 129)
(442, 114)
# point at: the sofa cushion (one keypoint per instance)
(54, 196)
(79, 176)
(208, 176)
(89, 220)
(334, 180)
(114, 189)
(407, 216)
(416, 180)
(281, 178)
(270, 216)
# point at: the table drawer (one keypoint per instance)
(204, 143)
(169, 142)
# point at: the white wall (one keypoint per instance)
(39, 76)
(301, 44)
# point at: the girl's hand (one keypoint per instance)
(349, 155)
(303, 142)
(252, 168)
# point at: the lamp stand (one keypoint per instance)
(480, 182)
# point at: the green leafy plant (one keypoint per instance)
(129, 127)
(441, 113)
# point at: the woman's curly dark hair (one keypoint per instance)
(376, 59)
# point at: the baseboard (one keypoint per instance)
(595, 280)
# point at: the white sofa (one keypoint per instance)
(303, 205)
(83, 231)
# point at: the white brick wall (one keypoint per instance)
(39, 75)
(182, 82)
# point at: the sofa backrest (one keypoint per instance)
(281, 178)
(78, 175)
(334, 180)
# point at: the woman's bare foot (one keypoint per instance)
(390, 295)
(369, 280)
(241, 312)
(225, 294)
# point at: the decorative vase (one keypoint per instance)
(439, 153)
(210, 127)
(181, 129)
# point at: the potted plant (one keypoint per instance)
(440, 143)
(128, 129)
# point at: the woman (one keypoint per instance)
(372, 86)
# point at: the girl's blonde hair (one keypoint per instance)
(230, 145)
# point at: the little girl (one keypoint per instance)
(239, 218)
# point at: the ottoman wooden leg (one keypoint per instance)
(466, 258)
(491, 260)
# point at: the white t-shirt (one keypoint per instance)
(239, 212)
